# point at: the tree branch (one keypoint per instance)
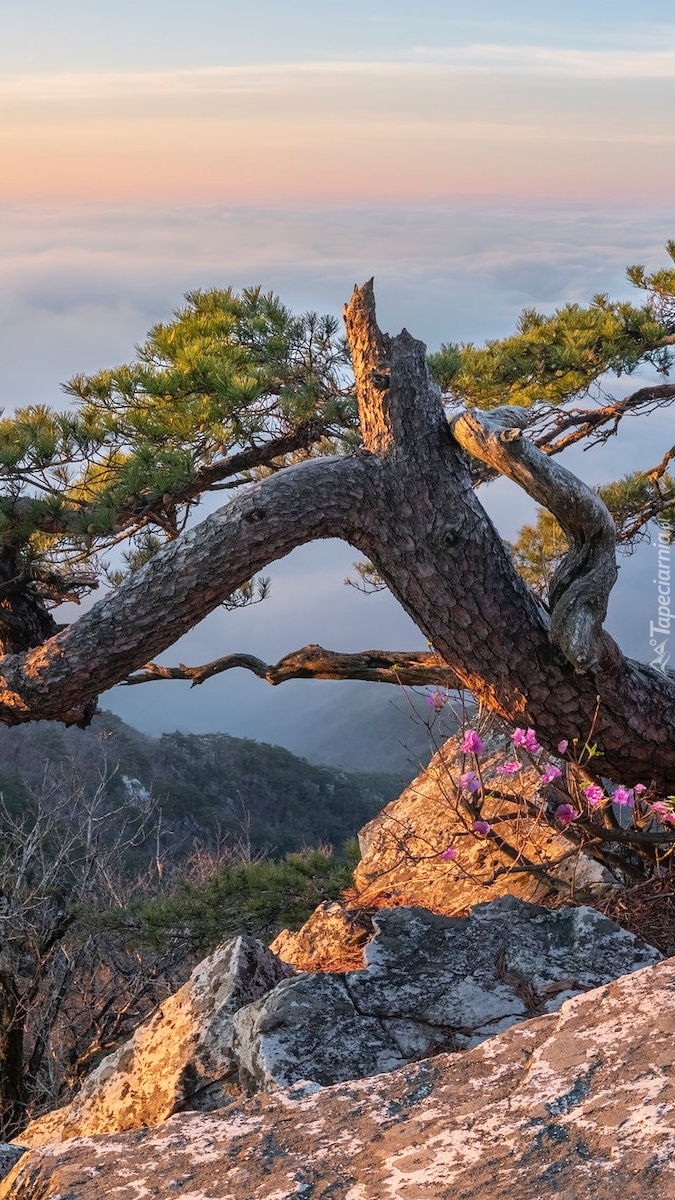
(580, 588)
(144, 505)
(182, 583)
(569, 426)
(411, 669)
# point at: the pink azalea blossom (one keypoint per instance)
(526, 738)
(469, 781)
(639, 787)
(437, 701)
(624, 796)
(449, 853)
(594, 794)
(562, 747)
(508, 768)
(566, 814)
(471, 743)
(664, 812)
(481, 827)
(550, 773)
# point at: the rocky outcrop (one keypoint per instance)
(431, 983)
(311, 1030)
(575, 1105)
(181, 1058)
(402, 857)
(245, 1021)
(332, 939)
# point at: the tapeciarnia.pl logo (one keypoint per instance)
(661, 626)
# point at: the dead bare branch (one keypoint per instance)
(410, 668)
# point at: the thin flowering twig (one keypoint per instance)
(506, 820)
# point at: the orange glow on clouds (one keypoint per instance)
(346, 132)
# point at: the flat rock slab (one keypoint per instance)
(507, 958)
(431, 983)
(575, 1105)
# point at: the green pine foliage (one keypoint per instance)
(209, 397)
(538, 551)
(230, 371)
(637, 498)
(557, 358)
(257, 898)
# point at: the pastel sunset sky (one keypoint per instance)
(477, 157)
(267, 102)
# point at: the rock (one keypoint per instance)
(47, 1128)
(430, 983)
(574, 1105)
(10, 1153)
(180, 1058)
(402, 865)
(332, 939)
(245, 1020)
(309, 1029)
(508, 960)
(401, 847)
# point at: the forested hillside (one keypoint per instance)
(210, 788)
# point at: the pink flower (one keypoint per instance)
(664, 812)
(566, 814)
(437, 701)
(481, 827)
(550, 773)
(449, 853)
(622, 795)
(594, 794)
(562, 746)
(471, 743)
(526, 738)
(469, 781)
(639, 787)
(508, 768)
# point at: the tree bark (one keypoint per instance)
(581, 585)
(24, 618)
(409, 668)
(406, 502)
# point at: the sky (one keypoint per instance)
(268, 102)
(477, 158)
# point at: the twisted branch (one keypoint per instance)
(581, 585)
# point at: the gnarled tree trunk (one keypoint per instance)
(407, 503)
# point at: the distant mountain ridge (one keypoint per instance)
(211, 787)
